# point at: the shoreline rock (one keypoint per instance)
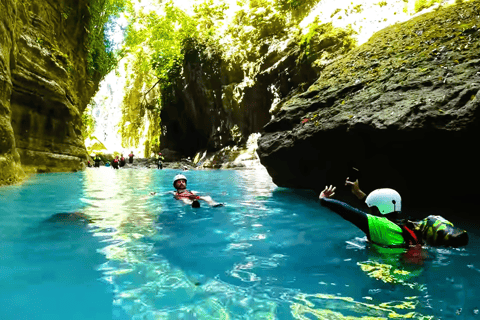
(150, 163)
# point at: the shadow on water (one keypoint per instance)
(288, 195)
(60, 256)
(70, 218)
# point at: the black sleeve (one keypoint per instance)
(349, 213)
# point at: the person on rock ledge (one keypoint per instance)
(190, 197)
(160, 158)
(97, 160)
(122, 161)
(115, 163)
(130, 157)
(387, 227)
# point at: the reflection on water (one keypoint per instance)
(270, 253)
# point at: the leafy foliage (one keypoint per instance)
(101, 56)
(158, 43)
(88, 123)
(321, 36)
(297, 9)
(157, 40)
(424, 4)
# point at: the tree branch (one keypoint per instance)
(145, 95)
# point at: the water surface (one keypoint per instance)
(270, 253)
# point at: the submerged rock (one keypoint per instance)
(403, 108)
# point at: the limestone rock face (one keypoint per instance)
(44, 86)
(217, 103)
(404, 108)
(10, 170)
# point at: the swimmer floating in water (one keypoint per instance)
(189, 197)
(387, 227)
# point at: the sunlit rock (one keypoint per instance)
(403, 107)
(45, 87)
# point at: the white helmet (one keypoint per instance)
(179, 177)
(386, 200)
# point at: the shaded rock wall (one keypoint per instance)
(199, 110)
(10, 170)
(404, 108)
(47, 88)
(216, 103)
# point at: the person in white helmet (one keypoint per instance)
(386, 226)
(187, 196)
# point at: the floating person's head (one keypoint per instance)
(180, 181)
(385, 201)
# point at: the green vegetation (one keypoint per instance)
(385, 52)
(358, 8)
(88, 122)
(335, 12)
(157, 46)
(101, 57)
(295, 9)
(425, 4)
(325, 34)
(159, 43)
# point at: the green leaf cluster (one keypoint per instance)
(157, 44)
(101, 57)
(88, 123)
(322, 36)
(157, 39)
(425, 4)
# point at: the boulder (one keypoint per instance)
(404, 108)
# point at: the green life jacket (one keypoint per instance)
(384, 232)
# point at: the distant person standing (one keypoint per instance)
(97, 160)
(122, 161)
(130, 157)
(160, 158)
(115, 163)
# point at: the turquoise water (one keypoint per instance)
(270, 253)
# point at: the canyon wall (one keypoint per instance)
(45, 86)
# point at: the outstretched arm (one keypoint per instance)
(349, 213)
(207, 199)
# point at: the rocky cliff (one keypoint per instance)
(216, 103)
(44, 86)
(404, 108)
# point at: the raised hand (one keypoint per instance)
(328, 192)
(355, 188)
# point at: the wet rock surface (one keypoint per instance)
(404, 108)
